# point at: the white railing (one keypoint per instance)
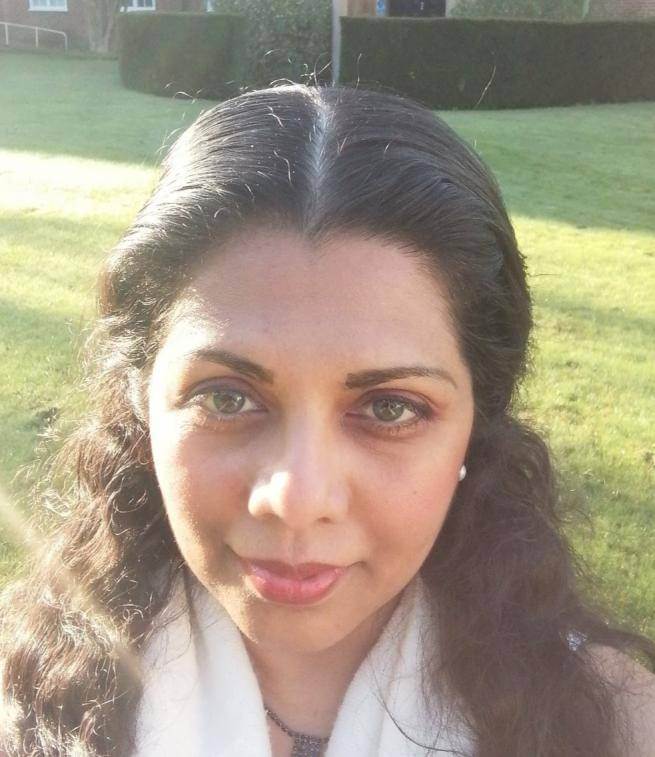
(36, 29)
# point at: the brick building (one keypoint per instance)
(69, 16)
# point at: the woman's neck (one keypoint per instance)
(305, 690)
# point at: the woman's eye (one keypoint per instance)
(226, 402)
(394, 414)
(389, 409)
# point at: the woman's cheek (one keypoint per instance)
(199, 486)
(412, 507)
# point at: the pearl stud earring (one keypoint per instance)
(462, 473)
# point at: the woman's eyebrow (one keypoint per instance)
(356, 380)
(364, 379)
(235, 362)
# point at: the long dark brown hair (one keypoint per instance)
(501, 574)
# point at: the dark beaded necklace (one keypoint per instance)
(303, 745)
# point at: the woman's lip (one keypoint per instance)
(291, 590)
(300, 571)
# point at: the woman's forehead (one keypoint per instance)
(350, 294)
(281, 270)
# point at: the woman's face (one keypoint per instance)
(309, 405)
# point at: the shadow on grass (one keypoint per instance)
(35, 330)
(71, 106)
(42, 361)
(42, 366)
(574, 165)
(615, 323)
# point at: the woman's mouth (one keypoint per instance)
(301, 585)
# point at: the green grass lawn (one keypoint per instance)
(78, 157)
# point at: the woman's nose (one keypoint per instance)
(306, 481)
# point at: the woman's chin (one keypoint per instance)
(283, 627)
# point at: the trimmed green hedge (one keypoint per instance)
(286, 39)
(491, 63)
(197, 54)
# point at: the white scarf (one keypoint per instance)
(202, 698)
